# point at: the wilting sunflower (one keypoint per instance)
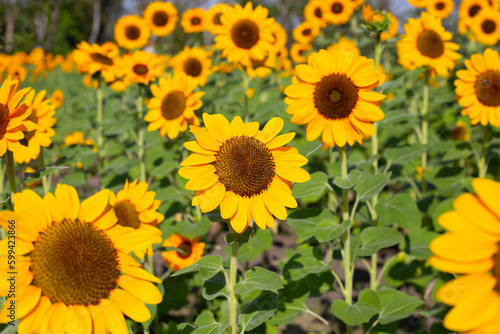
(141, 67)
(486, 27)
(331, 94)
(478, 88)
(194, 62)
(245, 33)
(246, 171)
(313, 12)
(418, 3)
(57, 98)
(192, 250)
(466, 12)
(439, 8)
(173, 105)
(214, 23)
(194, 20)
(337, 11)
(427, 44)
(299, 52)
(161, 17)
(136, 208)
(95, 58)
(345, 45)
(471, 249)
(73, 271)
(305, 32)
(14, 116)
(132, 32)
(42, 115)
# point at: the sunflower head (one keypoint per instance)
(195, 63)
(338, 11)
(57, 98)
(194, 20)
(141, 67)
(214, 15)
(486, 27)
(161, 17)
(467, 11)
(376, 21)
(190, 251)
(132, 32)
(306, 32)
(313, 12)
(440, 8)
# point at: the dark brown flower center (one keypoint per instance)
(216, 19)
(192, 67)
(132, 32)
(335, 96)
(102, 59)
(245, 34)
(160, 18)
(440, 6)
(306, 32)
(74, 263)
(318, 13)
(430, 44)
(173, 105)
(488, 26)
(488, 90)
(140, 69)
(126, 214)
(4, 119)
(195, 21)
(186, 249)
(32, 117)
(245, 166)
(337, 8)
(473, 10)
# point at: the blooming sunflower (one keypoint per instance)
(131, 32)
(466, 12)
(57, 98)
(478, 88)
(173, 105)
(461, 132)
(305, 32)
(194, 20)
(214, 23)
(262, 68)
(245, 33)
(161, 17)
(427, 44)
(74, 138)
(246, 171)
(331, 94)
(43, 116)
(195, 63)
(486, 27)
(418, 3)
(313, 12)
(14, 116)
(17, 72)
(470, 248)
(73, 270)
(136, 208)
(345, 45)
(280, 36)
(192, 250)
(298, 52)
(439, 8)
(337, 11)
(141, 67)
(95, 58)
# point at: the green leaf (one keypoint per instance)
(215, 287)
(258, 311)
(291, 301)
(306, 220)
(417, 243)
(306, 261)
(183, 328)
(33, 177)
(404, 153)
(367, 306)
(193, 230)
(401, 210)
(213, 262)
(206, 324)
(259, 278)
(374, 239)
(350, 181)
(329, 229)
(262, 241)
(241, 239)
(370, 185)
(315, 186)
(396, 305)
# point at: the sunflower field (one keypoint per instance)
(337, 173)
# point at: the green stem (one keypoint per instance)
(233, 301)
(246, 85)
(100, 138)
(9, 163)
(140, 137)
(45, 179)
(425, 131)
(2, 177)
(482, 163)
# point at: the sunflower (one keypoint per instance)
(214, 23)
(194, 20)
(73, 269)
(161, 17)
(486, 27)
(331, 94)
(280, 36)
(246, 171)
(57, 98)
(439, 8)
(74, 138)
(43, 116)
(192, 250)
(262, 68)
(427, 44)
(95, 58)
(313, 12)
(305, 32)
(393, 28)
(195, 63)
(14, 116)
(131, 32)
(17, 72)
(245, 33)
(173, 105)
(478, 88)
(345, 45)
(470, 248)
(418, 3)
(467, 11)
(141, 67)
(337, 11)
(136, 208)
(374, 20)
(461, 132)
(298, 52)
(356, 3)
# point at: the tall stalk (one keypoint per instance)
(8, 158)
(425, 131)
(140, 136)
(482, 164)
(100, 136)
(233, 300)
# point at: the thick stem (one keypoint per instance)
(45, 179)
(140, 137)
(425, 132)
(9, 164)
(2, 176)
(233, 301)
(246, 85)
(482, 163)
(100, 138)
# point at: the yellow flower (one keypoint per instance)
(356, 3)
(470, 248)
(74, 138)
(439, 8)
(337, 11)
(161, 17)
(461, 132)
(131, 32)
(305, 32)
(141, 67)
(192, 250)
(313, 12)
(73, 269)
(486, 27)
(467, 11)
(173, 105)
(194, 20)
(17, 72)
(95, 58)
(57, 98)
(250, 92)
(195, 63)
(262, 68)
(346, 46)
(280, 36)
(14, 116)
(418, 3)
(214, 23)
(478, 88)
(331, 94)
(246, 171)
(298, 52)
(374, 16)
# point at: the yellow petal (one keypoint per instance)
(293, 174)
(459, 248)
(143, 290)
(229, 205)
(473, 312)
(130, 305)
(113, 318)
(205, 138)
(452, 292)
(78, 320)
(271, 129)
(202, 182)
(239, 221)
(198, 159)
(69, 201)
(274, 206)
(488, 191)
(33, 321)
(259, 212)
(138, 272)
(280, 140)
(460, 267)
(469, 206)
(218, 126)
(93, 207)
